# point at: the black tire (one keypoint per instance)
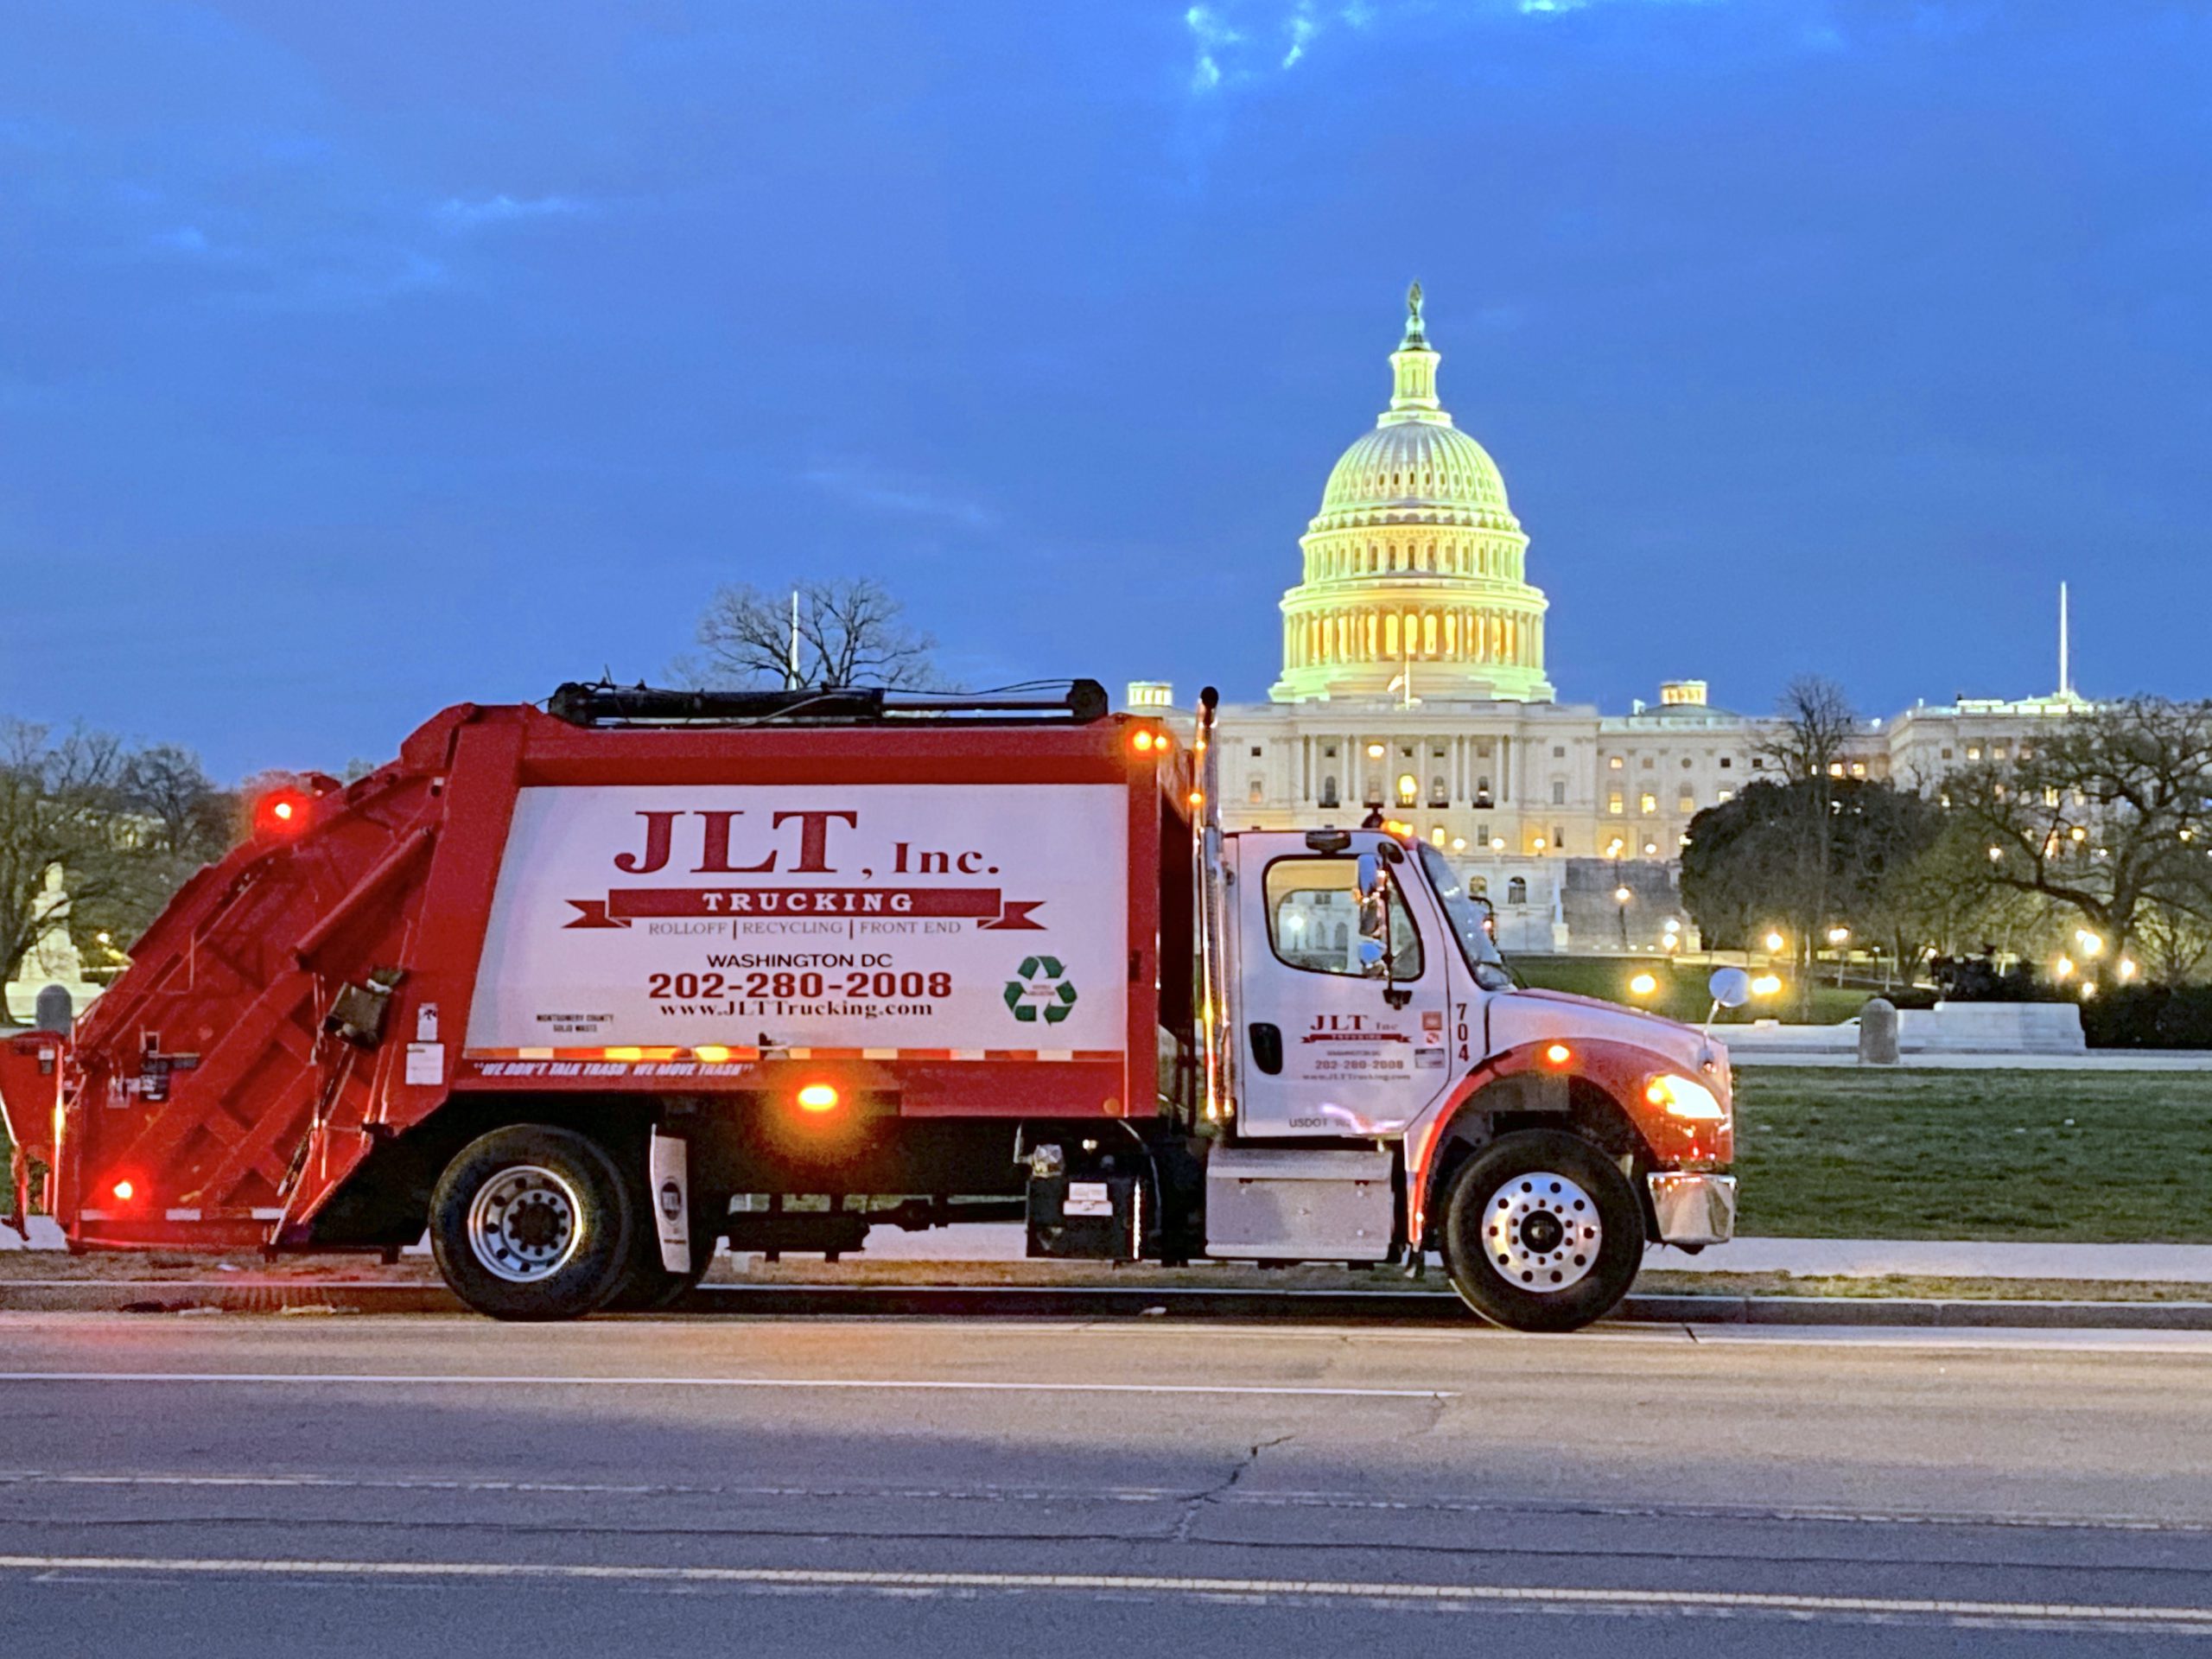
(1500, 1254)
(563, 1183)
(646, 1287)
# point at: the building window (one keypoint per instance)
(1559, 792)
(1409, 789)
(1438, 795)
(1516, 890)
(1614, 762)
(1687, 804)
(1947, 754)
(1258, 791)
(1725, 763)
(1482, 750)
(1859, 768)
(1724, 796)
(1647, 763)
(1685, 763)
(1836, 768)
(1559, 752)
(1613, 803)
(1997, 754)
(1647, 803)
(1436, 837)
(1758, 763)
(1330, 752)
(1482, 835)
(1559, 839)
(1256, 751)
(1974, 751)
(1328, 791)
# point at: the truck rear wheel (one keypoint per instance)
(531, 1223)
(1542, 1232)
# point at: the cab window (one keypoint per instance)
(1316, 921)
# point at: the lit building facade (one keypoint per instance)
(1414, 681)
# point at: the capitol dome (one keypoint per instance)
(1415, 564)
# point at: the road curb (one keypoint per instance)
(1423, 1307)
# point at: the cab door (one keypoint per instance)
(1342, 995)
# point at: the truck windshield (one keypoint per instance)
(1465, 913)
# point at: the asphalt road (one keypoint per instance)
(295, 1485)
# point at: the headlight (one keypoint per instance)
(1681, 1097)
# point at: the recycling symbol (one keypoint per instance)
(1041, 986)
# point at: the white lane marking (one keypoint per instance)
(2168, 1619)
(850, 1384)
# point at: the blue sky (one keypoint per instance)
(359, 359)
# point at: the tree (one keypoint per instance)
(849, 634)
(1810, 854)
(125, 827)
(2111, 819)
(58, 799)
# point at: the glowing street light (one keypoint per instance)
(2090, 944)
(2127, 968)
(1774, 943)
(1838, 935)
(1767, 985)
(2062, 969)
(1642, 985)
(1621, 895)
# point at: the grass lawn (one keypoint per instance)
(1681, 994)
(2094, 1157)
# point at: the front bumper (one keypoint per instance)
(1692, 1208)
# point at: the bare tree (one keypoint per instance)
(1815, 726)
(849, 634)
(2112, 817)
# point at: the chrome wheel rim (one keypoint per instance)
(1541, 1232)
(523, 1223)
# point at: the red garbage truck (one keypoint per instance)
(586, 990)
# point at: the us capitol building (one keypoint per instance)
(1414, 680)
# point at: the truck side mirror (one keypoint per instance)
(1731, 987)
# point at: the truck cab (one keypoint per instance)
(1383, 1085)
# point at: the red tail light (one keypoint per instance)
(280, 812)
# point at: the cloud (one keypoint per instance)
(1236, 42)
(866, 488)
(505, 209)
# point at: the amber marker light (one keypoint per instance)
(625, 1054)
(711, 1053)
(1144, 741)
(1558, 1054)
(817, 1097)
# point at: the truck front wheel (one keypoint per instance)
(531, 1223)
(1541, 1232)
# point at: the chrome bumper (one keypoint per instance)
(1693, 1209)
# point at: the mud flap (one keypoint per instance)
(668, 1182)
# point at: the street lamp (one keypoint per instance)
(1839, 937)
(1620, 899)
(1642, 985)
(1767, 985)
